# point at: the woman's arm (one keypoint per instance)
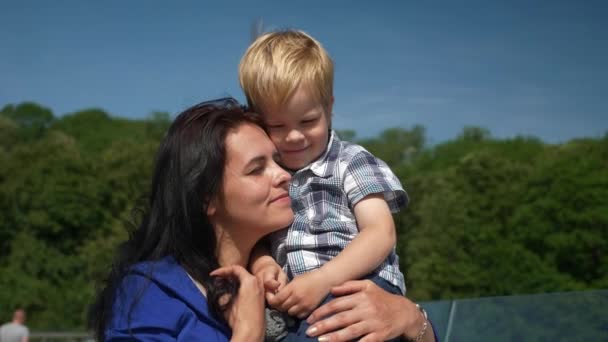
(364, 310)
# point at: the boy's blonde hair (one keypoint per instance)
(278, 62)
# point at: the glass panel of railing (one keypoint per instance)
(572, 316)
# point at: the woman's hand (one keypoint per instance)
(364, 310)
(246, 314)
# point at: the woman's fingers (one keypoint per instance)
(338, 321)
(349, 287)
(233, 270)
(335, 306)
(350, 333)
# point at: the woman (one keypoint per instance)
(181, 275)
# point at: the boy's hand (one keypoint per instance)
(271, 275)
(302, 295)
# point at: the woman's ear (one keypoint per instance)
(211, 207)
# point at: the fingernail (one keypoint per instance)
(311, 331)
(323, 339)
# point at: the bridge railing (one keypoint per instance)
(566, 316)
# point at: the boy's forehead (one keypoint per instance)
(302, 98)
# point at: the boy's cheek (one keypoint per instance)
(276, 139)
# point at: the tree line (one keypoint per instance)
(487, 216)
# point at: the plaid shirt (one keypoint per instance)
(323, 195)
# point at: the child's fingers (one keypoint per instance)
(288, 303)
(298, 311)
(271, 285)
(270, 299)
(269, 275)
(278, 300)
(282, 279)
(294, 311)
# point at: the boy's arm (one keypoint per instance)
(365, 253)
(369, 248)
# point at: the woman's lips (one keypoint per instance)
(281, 198)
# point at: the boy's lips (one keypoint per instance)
(295, 150)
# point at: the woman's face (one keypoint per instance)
(254, 196)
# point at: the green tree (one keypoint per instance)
(32, 119)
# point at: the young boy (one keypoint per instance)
(342, 195)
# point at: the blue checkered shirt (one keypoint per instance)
(323, 195)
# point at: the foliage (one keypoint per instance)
(487, 216)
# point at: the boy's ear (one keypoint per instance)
(330, 112)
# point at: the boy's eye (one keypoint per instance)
(270, 126)
(309, 121)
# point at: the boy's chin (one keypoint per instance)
(294, 165)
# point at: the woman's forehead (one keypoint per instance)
(248, 141)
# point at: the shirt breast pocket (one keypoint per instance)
(327, 208)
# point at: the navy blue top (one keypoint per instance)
(169, 307)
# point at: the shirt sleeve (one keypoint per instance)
(366, 175)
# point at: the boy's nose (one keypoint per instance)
(294, 135)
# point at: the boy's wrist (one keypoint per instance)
(262, 262)
(328, 276)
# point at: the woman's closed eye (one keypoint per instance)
(256, 170)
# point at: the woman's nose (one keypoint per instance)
(281, 176)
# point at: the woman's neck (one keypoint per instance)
(233, 251)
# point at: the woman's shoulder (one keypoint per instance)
(163, 280)
(158, 297)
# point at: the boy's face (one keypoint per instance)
(299, 129)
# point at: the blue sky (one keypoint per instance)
(515, 67)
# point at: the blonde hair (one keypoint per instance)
(278, 62)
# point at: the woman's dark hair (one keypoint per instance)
(188, 173)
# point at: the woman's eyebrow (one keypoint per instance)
(256, 160)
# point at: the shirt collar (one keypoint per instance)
(324, 165)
